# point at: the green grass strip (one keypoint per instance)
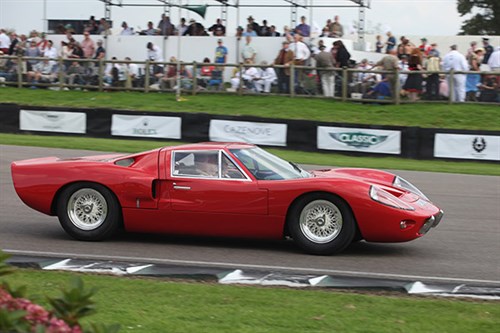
(151, 305)
(426, 115)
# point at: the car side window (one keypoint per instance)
(230, 170)
(203, 164)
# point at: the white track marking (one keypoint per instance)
(250, 266)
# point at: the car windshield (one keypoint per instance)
(266, 166)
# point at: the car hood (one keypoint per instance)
(380, 178)
(367, 175)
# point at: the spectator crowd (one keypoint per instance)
(299, 66)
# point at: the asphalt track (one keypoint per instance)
(464, 248)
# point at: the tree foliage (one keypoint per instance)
(485, 19)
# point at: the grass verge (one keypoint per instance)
(427, 115)
(332, 159)
(150, 305)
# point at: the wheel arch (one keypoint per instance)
(53, 207)
(286, 231)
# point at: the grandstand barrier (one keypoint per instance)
(302, 135)
(350, 84)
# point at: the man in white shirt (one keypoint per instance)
(494, 60)
(250, 75)
(132, 71)
(456, 61)
(127, 31)
(154, 53)
(302, 54)
(4, 41)
(50, 52)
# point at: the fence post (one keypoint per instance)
(146, 76)
(344, 84)
(397, 87)
(101, 74)
(60, 75)
(451, 87)
(240, 74)
(195, 78)
(19, 71)
(292, 80)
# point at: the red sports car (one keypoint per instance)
(224, 189)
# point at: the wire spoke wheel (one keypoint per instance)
(321, 221)
(87, 209)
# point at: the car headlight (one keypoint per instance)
(386, 198)
(406, 185)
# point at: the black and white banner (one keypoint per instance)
(53, 121)
(359, 140)
(269, 134)
(146, 126)
(478, 147)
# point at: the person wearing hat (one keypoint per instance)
(456, 61)
(325, 64)
(488, 50)
(285, 58)
(255, 26)
(220, 53)
(195, 29)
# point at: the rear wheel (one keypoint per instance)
(321, 224)
(88, 211)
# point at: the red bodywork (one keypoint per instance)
(217, 207)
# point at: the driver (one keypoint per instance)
(206, 164)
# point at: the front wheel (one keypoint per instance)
(88, 211)
(321, 224)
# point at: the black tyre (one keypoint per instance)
(321, 224)
(88, 211)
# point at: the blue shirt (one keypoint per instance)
(220, 54)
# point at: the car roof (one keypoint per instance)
(212, 146)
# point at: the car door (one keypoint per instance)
(223, 192)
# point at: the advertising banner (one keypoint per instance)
(53, 121)
(146, 126)
(359, 140)
(242, 131)
(467, 146)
